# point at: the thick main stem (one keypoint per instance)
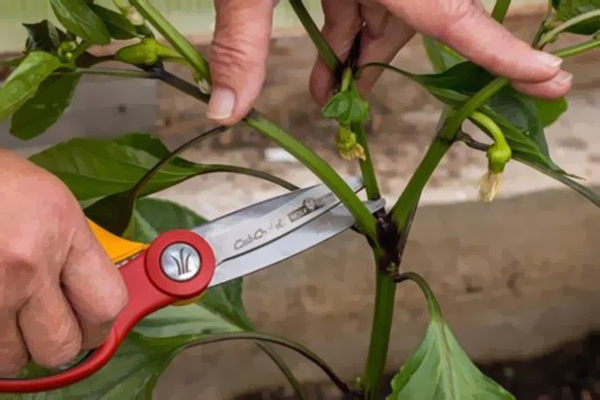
(385, 293)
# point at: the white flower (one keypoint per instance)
(489, 186)
(135, 17)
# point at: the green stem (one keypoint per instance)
(577, 49)
(419, 179)
(432, 304)
(366, 166)
(285, 370)
(385, 292)
(367, 224)
(364, 219)
(150, 174)
(500, 10)
(174, 37)
(262, 337)
(212, 168)
(472, 143)
(438, 149)
(548, 37)
(454, 122)
(543, 26)
(401, 214)
(385, 288)
(119, 73)
(325, 51)
(82, 48)
(491, 127)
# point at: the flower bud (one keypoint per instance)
(66, 49)
(144, 52)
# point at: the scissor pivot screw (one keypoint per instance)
(180, 262)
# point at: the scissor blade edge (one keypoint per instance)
(262, 208)
(328, 225)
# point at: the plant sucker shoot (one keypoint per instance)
(128, 169)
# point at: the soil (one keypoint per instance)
(571, 372)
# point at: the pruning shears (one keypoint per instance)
(180, 265)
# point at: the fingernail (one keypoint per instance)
(548, 59)
(221, 104)
(563, 78)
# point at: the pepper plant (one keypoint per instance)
(113, 178)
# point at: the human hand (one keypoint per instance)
(59, 291)
(463, 25)
(243, 28)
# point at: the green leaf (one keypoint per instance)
(561, 177)
(347, 107)
(226, 300)
(45, 108)
(43, 36)
(166, 216)
(550, 110)
(116, 24)
(440, 55)
(152, 145)
(77, 17)
(23, 82)
(96, 168)
(439, 369)
(104, 174)
(567, 9)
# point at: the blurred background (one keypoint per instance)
(517, 279)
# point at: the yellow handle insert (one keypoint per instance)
(120, 249)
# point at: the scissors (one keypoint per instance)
(180, 265)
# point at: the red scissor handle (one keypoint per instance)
(150, 289)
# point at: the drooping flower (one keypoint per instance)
(489, 186)
(348, 146)
(499, 154)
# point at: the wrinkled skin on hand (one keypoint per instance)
(243, 29)
(59, 291)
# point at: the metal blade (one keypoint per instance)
(328, 225)
(241, 235)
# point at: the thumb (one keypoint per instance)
(237, 57)
(464, 26)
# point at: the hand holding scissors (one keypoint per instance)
(180, 265)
